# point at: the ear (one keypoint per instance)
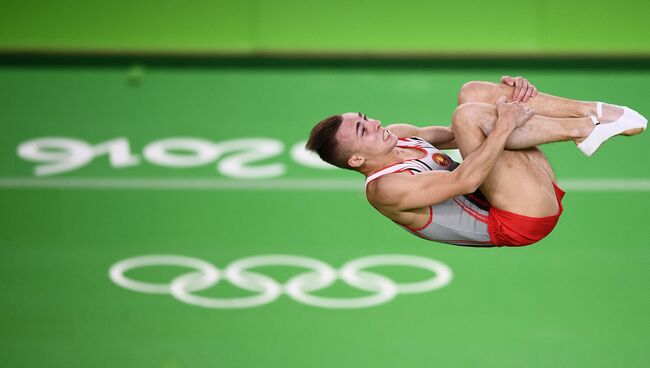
(356, 161)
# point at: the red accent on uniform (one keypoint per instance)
(479, 216)
(478, 200)
(425, 225)
(470, 242)
(418, 148)
(401, 162)
(440, 158)
(513, 230)
(417, 233)
(457, 242)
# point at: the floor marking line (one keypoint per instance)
(308, 184)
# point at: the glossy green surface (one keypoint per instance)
(363, 26)
(578, 298)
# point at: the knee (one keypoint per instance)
(475, 91)
(474, 114)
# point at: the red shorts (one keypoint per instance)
(512, 230)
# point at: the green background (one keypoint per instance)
(232, 69)
(539, 27)
(578, 298)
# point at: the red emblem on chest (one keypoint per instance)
(441, 159)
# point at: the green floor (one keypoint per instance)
(579, 298)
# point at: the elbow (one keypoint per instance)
(472, 187)
(469, 184)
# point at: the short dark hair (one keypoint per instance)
(322, 140)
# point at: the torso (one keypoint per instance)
(415, 218)
(461, 220)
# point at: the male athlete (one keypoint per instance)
(504, 193)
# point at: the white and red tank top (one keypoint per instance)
(460, 220)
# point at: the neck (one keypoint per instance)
(396, 155)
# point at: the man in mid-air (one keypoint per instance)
(504, 193)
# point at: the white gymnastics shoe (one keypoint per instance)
(630, 123)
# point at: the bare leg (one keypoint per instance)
(566, 111)
(521, 181)
(536, 131)
(543, 104)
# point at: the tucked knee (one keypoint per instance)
(474, 114)
(475, 91)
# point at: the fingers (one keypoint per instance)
(501, 104)
(523, 83)
(507, 80)
(523, 91)
(518, 85)
(529, 93)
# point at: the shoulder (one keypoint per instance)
(403, 130)
(387, 190)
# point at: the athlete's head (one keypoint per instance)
(350, 140)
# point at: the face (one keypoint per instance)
(364, 138)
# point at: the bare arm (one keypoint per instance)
(439, 136)
(405, 192)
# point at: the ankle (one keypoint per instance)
(586, 109)
(584, 127)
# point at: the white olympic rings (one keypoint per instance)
(320, 275)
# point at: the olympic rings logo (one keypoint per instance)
(320, 275)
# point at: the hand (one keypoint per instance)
(514, 114)
(524, 90)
